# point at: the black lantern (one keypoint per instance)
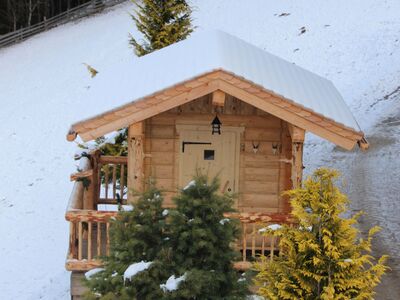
(216, 125)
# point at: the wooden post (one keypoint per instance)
(80, 240)
(98, 239)
(244, 241)
(72, 240)
(90, 193)
(96, 182)
(108, 238)
(135, 158)
(297, 134)
(253, 241)
(218, 98)
(297, 166)
(89, 241)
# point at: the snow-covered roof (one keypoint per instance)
(215, 50)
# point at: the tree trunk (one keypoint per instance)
(30, 11)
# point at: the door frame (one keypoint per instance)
(237, 130)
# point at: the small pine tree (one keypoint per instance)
(162, 23)
(135, 236)
(201, 243)
(323, 257)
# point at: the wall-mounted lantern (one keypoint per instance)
(216, 125)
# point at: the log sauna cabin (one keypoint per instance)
(181, 93)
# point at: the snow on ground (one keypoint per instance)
(43, 83)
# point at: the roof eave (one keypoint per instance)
(201, 85)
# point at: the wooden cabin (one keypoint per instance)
(176, 96)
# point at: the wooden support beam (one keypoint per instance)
(95, 180)
(82, 174)
(135, 158)
(71, 135)
(143, 114)
(363, 143)
(284, 114)
(297, 166)
(218, 98)
(296, 133)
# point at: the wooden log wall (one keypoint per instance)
(265, 151)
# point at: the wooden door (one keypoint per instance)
(212, 155)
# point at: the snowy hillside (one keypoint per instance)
(43, 84)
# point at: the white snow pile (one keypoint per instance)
(114, 207)
(92, 272)
(255, 297)
(127, 207)
(190, 184)
(272, 227)
(135, 268)
(223, 221)
(109, 138)
(172, 283)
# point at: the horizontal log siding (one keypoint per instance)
(262, 176)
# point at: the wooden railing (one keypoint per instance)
(74, 13)
(112, 183)
(254, 240)
(89, 238)
(102, 180)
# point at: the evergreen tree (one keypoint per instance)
(162, 23)
(201, 244)
(323, 257)
(135, 236)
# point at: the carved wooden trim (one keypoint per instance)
(241, 88)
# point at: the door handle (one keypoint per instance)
(225, 186)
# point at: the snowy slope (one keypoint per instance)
(43, 86)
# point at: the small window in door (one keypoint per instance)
(209, 155)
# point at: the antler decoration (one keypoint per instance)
(274, 148)
(255, 146)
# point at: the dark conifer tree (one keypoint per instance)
(201, 244)
(135, 236)
(162, 23)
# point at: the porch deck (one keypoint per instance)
(89, 228)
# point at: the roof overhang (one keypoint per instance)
(231, 84)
